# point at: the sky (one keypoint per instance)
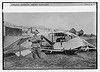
(62, 20)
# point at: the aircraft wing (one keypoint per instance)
(14, 47)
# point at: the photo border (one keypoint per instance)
(51, 68)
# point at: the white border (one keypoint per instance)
(51, 9)
(83, 8)
(98, 70)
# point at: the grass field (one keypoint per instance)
(83, 60)
(53, 61)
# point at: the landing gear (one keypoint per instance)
(48, 52)
(69, 52)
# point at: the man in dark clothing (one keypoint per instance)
(35, 50)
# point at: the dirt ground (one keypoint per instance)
(82, 60)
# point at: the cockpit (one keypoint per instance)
(63, 37)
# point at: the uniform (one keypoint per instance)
(35, 50)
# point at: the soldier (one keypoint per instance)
(35, 50)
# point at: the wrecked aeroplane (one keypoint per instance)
(51, 42)
(66, 42)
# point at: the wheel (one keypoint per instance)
(70, 52)
(47, 52)
(65, 52)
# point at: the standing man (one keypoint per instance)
(35, 50)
